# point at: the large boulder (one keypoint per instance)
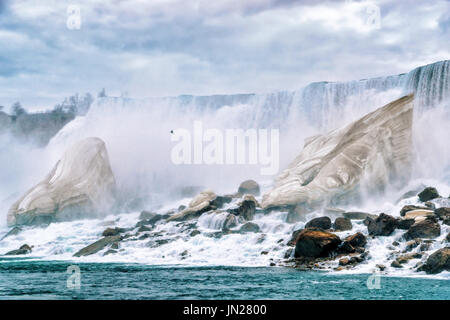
(24, 249)
(428, 194)
(80, 185)
(383, 225)
(437, 262)
(428, 229)
(246, 209)
(372, 152)
(199, 205)
(443, 213)
(342, 224)
(98, 245)
(315, 243)
(249, 187)
(320, 222)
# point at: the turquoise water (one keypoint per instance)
(24, 279)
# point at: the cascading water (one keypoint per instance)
(137, 134)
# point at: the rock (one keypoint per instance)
(448, 237)
(199, 205)
(342, 224)
(413, 214)
(405, 258)
(367, 221)
(383, 225)
(80, 185)
(97, 246)
(144, 229)
(146, 215)
(110, 251)
(446, 221)
(315, 243)
(231, 221)
(412, 244)
(404, 224)
(249, 187)
(430, 205)
(294, 237)
(14, 231)
(112, 232)
(219, 201)
(356, 240)
(428, 229)
(321, 222)
(437, 262)
(358, 215)
(181, 207)
(410, 207)
(381, 267)
(24, 249)
(195, 233)
(428, 194)
(442, 213)
(288, 253)
(396, 264)
(330, 167)
(249, 227)
(246, 210)
(344, 261)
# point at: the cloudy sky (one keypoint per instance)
(172, 47)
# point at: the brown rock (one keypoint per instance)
(315, 243)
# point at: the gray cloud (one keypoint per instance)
(205, 47)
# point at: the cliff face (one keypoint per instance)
(373, 151)
(81, 184)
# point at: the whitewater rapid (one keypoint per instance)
(137, 135)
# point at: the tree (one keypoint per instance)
(17, 109)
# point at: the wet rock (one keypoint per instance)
(144, 229)
(14, 231)
(410, 207)
(195, 233)
(98, 246)
(381, 267)
(405, 258)
(414, 214)
(246, 210)
(316, 243)
(396, 264)
(145, 215)
(294, 236)
(181, 207)
(437, 262)
(110, 251)
(428, 229)
(220, 201)
(112, 232)
(405, 224)
(342, 224)
(356, 240)
(383, 225)
(428, 194)
(448, 237)
(344, 261)
(395, 243)
(199, 205)
(411, 244)
(367, 221)
(430, 205)
(249, 227)
(24, 249)
(446, 221)
(249, 187)
(321, 222)
(231, 221)
(288, 253)
(442, 213)
(355, 215)
(264, 253)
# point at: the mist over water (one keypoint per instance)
(137, 134)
